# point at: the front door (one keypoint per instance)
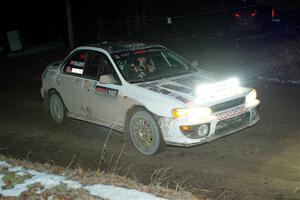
(104, 101)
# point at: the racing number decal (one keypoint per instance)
(104, 91)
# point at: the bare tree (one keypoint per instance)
(144, 14)
(137, 17)
(70, 25)
(128, 25)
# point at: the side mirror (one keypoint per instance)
(107, 79)
(195, 63)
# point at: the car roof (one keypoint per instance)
(120, 46)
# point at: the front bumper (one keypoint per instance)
(218, 127)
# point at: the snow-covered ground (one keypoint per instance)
(49, 180)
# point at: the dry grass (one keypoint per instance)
(161, 179)
(104, 150)
(88, 177)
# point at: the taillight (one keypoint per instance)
(253, 14)
(237, 14)
(273, 12)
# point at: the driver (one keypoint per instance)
(141, 67)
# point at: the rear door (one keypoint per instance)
(71, 79)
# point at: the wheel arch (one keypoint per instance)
(46, 99)
(134, 109)
(129, 113)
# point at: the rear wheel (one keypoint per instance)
(57, 108)
(145, 133)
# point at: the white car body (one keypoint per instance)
(108, 104)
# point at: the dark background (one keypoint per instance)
(45, 21)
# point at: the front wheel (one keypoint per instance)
(145, 133)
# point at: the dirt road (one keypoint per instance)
(261, 162)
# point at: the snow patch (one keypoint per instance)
(1, 182)
(72, 184)
(22, 173)
(116, 193)
(15, 169)
(50, 180)
(4, 164)
(46, 179)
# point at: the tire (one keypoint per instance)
(145, 133)
(57, 108)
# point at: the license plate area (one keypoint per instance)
(224, 115)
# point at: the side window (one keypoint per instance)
(98, 64)
(92, 67)
(174, 61)
(76, 63)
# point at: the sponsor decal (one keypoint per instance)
(104, 91)
(77, 71)
(154, 83)
(231, 113)
(166, 92)
(76, 63)
(172, 94)
(145, 85)
(153, 87)
(177, 88)
(182, 99)
(73, 70)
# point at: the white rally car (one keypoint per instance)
(149, 92)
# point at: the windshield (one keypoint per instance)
(150, 64)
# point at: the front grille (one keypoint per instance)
(232, 124)
(228, 104)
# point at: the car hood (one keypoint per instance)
(184, 88)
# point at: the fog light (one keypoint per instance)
(203, 130)
(195, 131)
(254, 114)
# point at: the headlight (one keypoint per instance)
(191, 113)
(251, 98)
(218, 91)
